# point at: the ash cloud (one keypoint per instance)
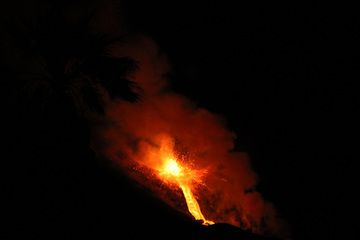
(129, 128)
(132, 127)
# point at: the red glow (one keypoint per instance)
(169, 135)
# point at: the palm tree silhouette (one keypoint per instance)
(68, 58)
(51, 73)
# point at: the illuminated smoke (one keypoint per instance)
(136, 130)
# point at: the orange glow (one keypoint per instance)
(164, 142)
(183, 177)
(172, 168)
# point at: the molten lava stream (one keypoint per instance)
(173, 172)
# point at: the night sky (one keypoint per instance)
(283, 76)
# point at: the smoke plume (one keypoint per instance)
(160, 117)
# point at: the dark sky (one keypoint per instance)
(283, 76)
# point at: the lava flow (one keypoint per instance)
(183, 177)
(164, 142)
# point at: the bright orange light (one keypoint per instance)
(173, 171)
(172, 167)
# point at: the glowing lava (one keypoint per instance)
(183, 177)
(172, 168)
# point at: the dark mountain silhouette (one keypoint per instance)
(284, 75)
(55, 187)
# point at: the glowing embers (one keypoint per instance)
(183, 177)
(172, 168)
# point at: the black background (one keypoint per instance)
(284, 77)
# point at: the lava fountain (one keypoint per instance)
(183, 177)
(167, 144)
